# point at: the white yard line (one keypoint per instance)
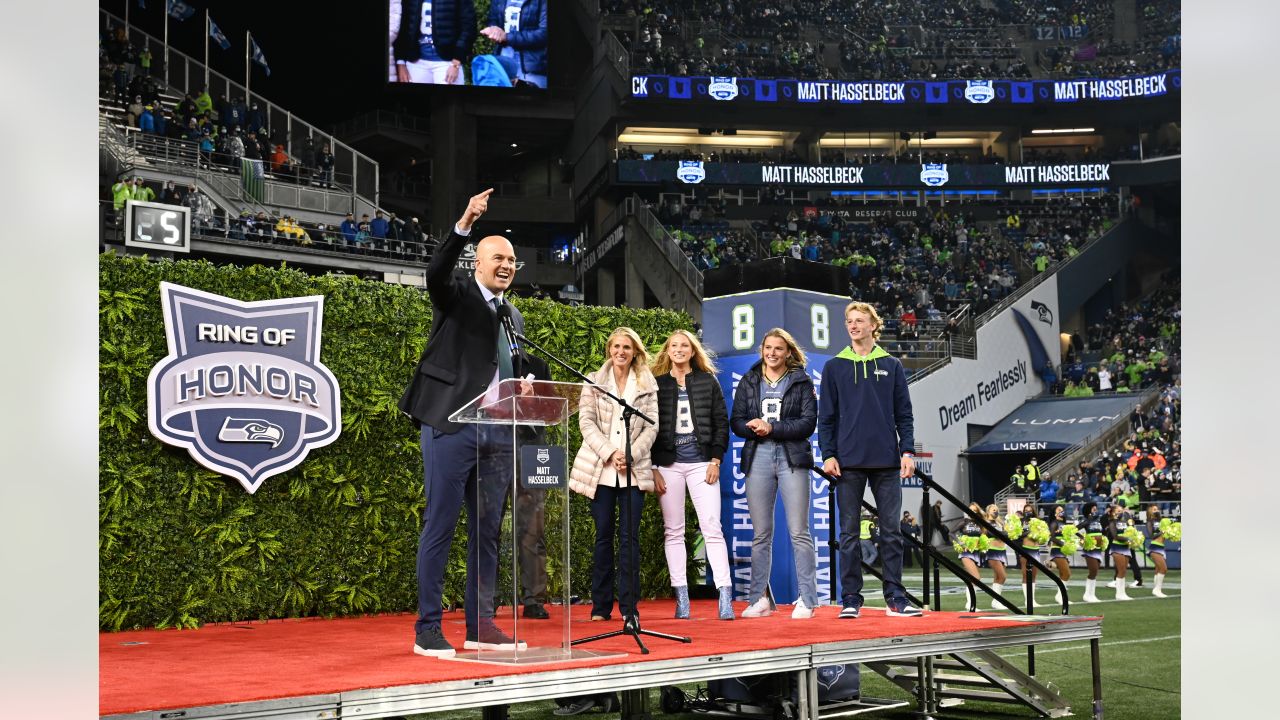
(1086, 646)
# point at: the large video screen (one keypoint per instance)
(480, 43)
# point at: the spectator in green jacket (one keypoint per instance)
(120, 192)
(142, 192)
(204, 103)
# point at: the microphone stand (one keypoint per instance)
(630, 624)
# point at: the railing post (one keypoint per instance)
(926, 559)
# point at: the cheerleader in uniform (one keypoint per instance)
(1062, 545)
(1121, 532)
(1035, 533)
(1160, 529)
(995, 556)
(970, 543)
(1095, 546)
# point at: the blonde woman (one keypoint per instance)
(693, 434)
(775, 410)
(600, 469)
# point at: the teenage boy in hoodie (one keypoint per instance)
(866, 436)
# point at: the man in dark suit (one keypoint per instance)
(467, 354)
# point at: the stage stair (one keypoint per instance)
(976, 675)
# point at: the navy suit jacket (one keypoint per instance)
(461, 353)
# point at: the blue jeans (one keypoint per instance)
(453, 479)
(887, 491)
(869, 552)
(770, 473)
(603, 505)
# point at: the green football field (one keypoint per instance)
(1140, 647)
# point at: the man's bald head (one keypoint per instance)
(495, 263)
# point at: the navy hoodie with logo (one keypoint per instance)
(864, 410)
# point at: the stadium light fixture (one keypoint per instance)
(1060, 131)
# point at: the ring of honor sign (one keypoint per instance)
(243, 388)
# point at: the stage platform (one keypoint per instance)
(365, 668)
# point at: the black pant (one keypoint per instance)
(603, 505)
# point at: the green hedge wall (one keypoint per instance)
(179, 545)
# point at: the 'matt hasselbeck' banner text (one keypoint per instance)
(885, 175)
(924, 92)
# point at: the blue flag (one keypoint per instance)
(258, 57)
(179, 10)
(215, 32)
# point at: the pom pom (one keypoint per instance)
(1038, 531)
(1013, 526)
(1069, 546)
(984, 543)
(1172, 531)
(1133, 537)
(958, 544)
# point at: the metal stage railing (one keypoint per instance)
(932, 572)
(934, 559)
(1029, 559)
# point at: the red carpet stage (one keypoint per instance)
(365, 666)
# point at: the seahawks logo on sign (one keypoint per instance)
(242, 388)
(979, 91)
(1042, 311)
(544, 455)
(250, 430)
(691, 172)
(723, 88)
(934, 174)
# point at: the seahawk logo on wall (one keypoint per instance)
(1042, 311)
(243, 388)
(691, 172)
(934, 174)
(723, 88)
(979, 91)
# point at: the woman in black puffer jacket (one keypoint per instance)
(693, 434)
(775, 410)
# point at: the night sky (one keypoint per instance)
(327, 59)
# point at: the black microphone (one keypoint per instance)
(508, 325)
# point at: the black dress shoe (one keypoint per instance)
(535, 611)
(631, 625)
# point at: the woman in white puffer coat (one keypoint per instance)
(600, 469)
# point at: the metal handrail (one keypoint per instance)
(667, 244)
(296, 128)
(120, 143)
(617, 54)
(930, 484)
(928, 549)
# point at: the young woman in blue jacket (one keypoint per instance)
(775, 409)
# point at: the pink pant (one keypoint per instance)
(706, 502)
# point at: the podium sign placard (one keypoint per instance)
(543, 467)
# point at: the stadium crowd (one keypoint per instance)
(384, 235)
(822, 39)
(917, 269)
(218, 131)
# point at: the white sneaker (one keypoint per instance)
(801, 611)
(760, 608)
(1158, 593)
